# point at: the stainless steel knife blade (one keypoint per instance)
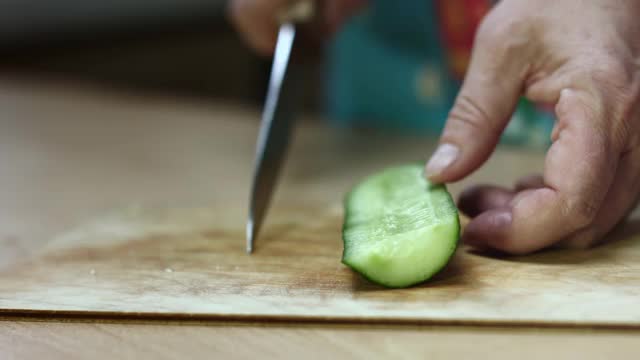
(275, 130)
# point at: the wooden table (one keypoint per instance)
(43, 120)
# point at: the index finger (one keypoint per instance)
(256, 21)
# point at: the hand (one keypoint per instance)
(583, 57)
(256, 20)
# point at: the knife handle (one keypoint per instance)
(298, 12)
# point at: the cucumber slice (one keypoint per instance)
(399, 230)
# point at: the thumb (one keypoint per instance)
(483, 107)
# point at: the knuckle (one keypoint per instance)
(469, 117)
(612, 70)
(615, 77)
(581, 212)
(617, 81)
(504, 35)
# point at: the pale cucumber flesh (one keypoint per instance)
(399, 230)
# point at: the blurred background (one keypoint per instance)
(397, 64)
(177, 47)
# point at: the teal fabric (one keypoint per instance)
(387, 69)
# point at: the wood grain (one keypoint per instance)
(53, 341)
(137, 209)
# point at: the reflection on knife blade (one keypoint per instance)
(275, 130)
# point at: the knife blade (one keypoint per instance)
(278, 119)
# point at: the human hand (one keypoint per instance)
(256, 20)
(583, 58)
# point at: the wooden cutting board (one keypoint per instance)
(136, 208)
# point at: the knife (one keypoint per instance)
(278, 118)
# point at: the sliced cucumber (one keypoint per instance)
(399, 230)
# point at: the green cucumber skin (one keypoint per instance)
(363, 272)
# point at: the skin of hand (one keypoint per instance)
(256, 19)
(581, 56)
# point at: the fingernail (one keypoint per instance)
(441, 159)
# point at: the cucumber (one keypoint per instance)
(399, 229)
